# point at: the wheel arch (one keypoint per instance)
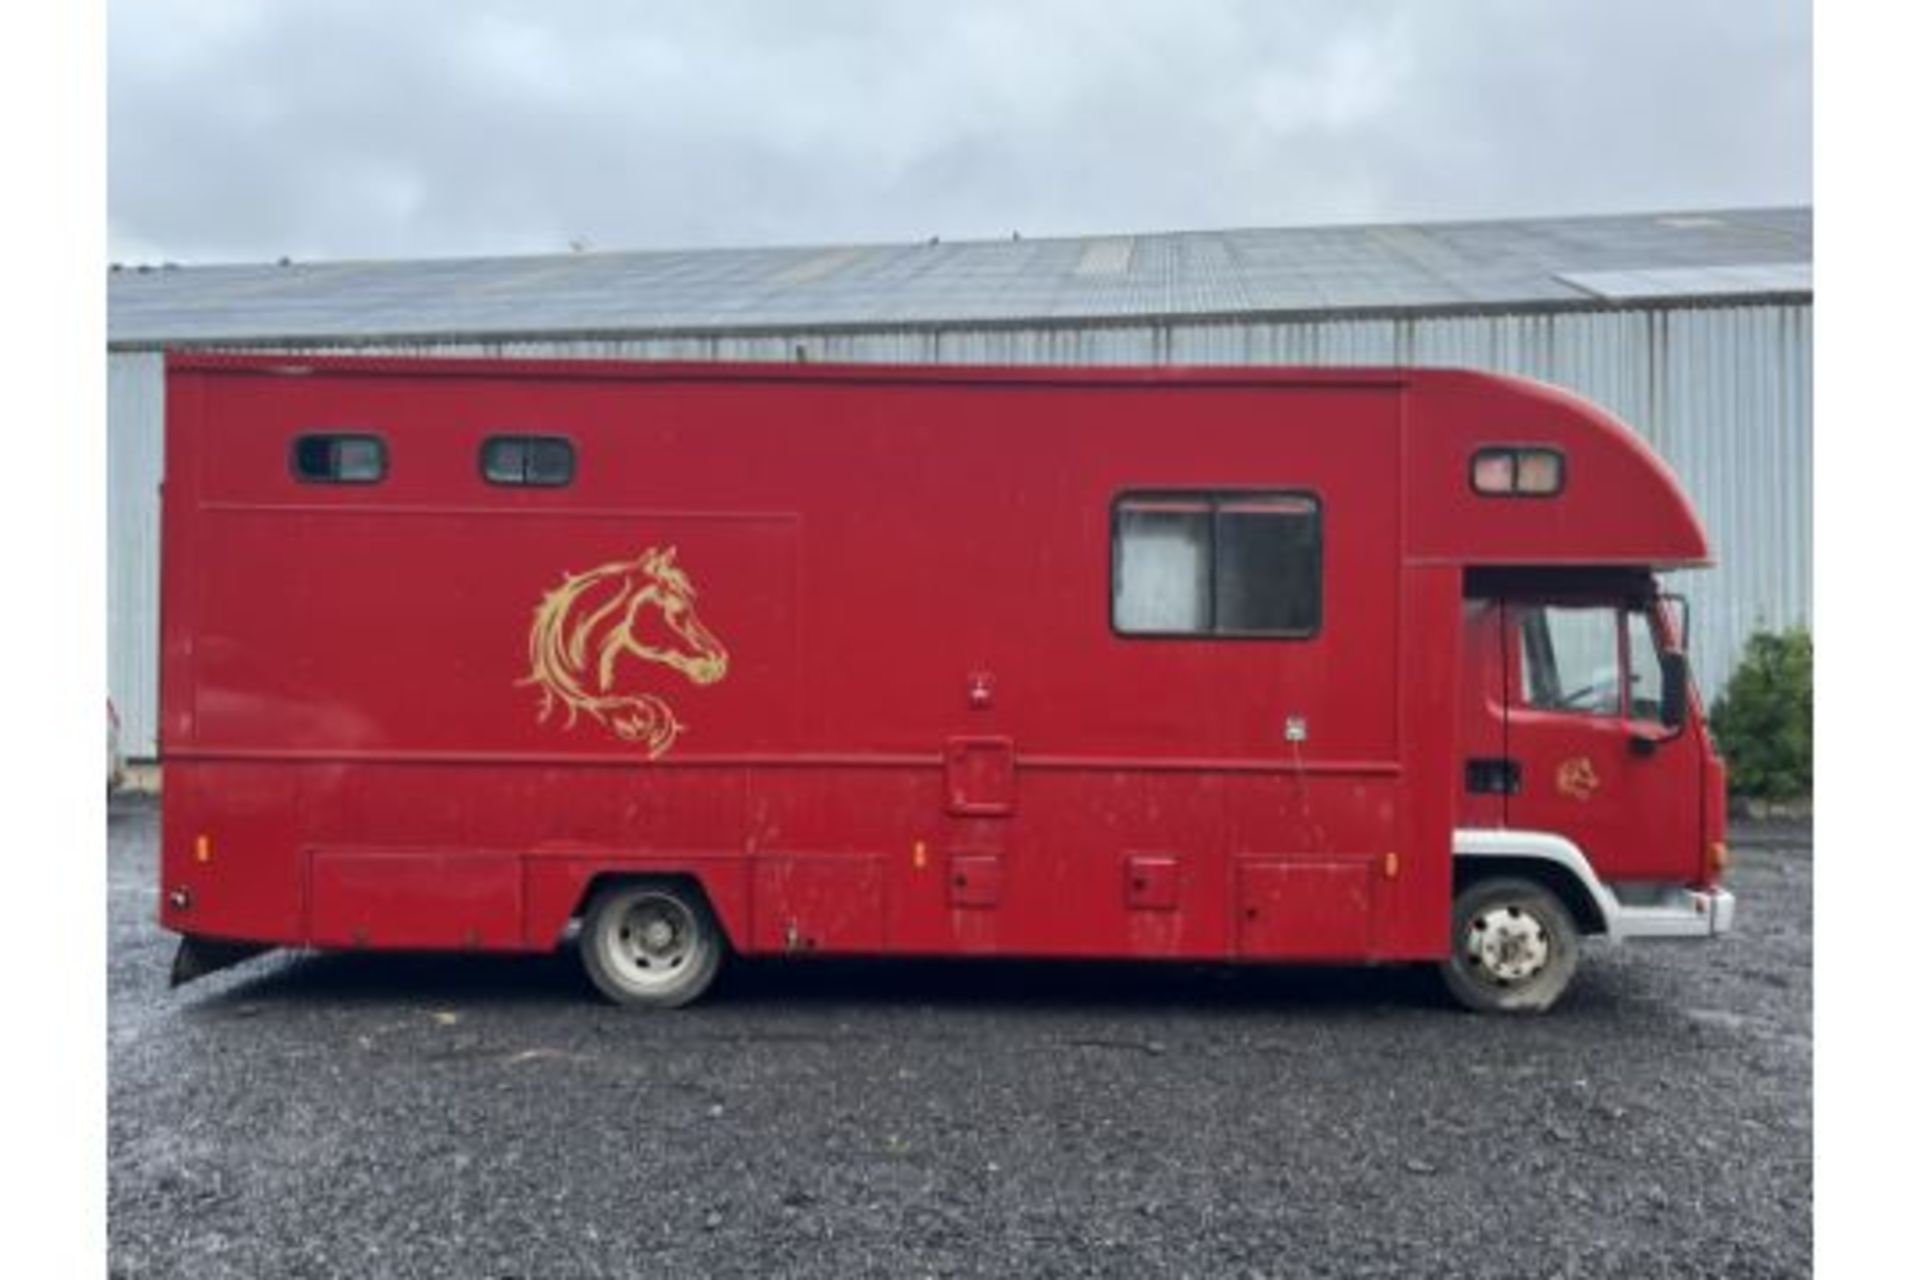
(1553, 862)
(688, 880)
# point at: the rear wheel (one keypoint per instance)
(650, 945)
(1515, 947)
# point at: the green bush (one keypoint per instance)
(1763, 719)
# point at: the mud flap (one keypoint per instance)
(198, 957)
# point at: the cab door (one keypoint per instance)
(1661, 786)
(1594, 763)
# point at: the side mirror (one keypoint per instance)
(1673, 689)
(1680, 614)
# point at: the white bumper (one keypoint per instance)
(1679, 913)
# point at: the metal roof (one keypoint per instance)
(1435, 267)
(1745, 279)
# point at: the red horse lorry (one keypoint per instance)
(1259, 665)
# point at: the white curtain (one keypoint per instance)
(1163, 572)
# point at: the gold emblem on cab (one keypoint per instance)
(1576, 777)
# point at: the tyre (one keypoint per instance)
(651, 945)
(1515, 947)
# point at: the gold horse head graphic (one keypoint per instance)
(586, 626)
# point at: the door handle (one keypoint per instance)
(1493, 776)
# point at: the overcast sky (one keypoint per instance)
(251, 129)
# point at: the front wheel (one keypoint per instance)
(1514, 948)
(650, 945)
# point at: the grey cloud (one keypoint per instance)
(254, 128)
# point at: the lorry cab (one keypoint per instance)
(1586, 753)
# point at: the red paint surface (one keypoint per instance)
(909, 572)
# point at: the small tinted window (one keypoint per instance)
(1528, 471)
(339, 459)
(1266, 570)
(1217, 564)
(527, 460)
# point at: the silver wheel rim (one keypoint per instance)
(1508, 945)
(652, 942)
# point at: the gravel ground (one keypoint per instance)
(413, 1116)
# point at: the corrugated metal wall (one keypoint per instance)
(135, 414)
(1723, 392)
